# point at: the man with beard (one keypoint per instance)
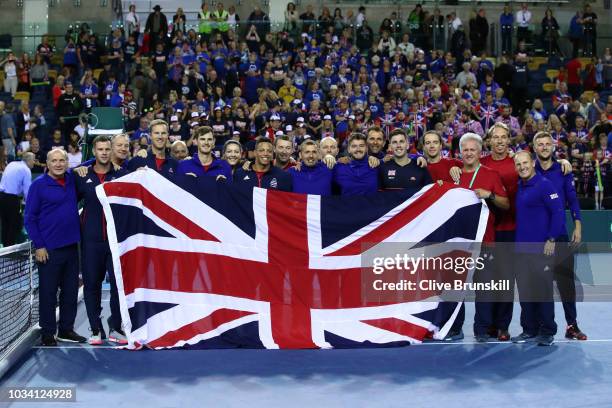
(120, 149)
(313, 176)
(402, 173)
(356, 176)
(564, 263)
(96, 255)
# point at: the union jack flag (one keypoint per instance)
(208, 265)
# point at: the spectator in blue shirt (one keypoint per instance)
(564, 266)
(52, 222)
(539, 223)
(15, 183)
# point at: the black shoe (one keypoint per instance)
(545, 340)
(523, 338)
(574, 333)
(481, 338)
(48, 340)
(454, 336)
(71, 337)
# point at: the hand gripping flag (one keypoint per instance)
(207, 265)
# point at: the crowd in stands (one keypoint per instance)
(324, 76)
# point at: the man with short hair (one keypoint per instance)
(8, 130)
(313, 176)
(356, 176)
(52, 222)
(15, 183)
(487, 185)
(263, 173)
(539, 223)
(439, 167)
(157, 156)
(564, 264)
(283, 150)
(96, 255)
(401, 173)
(204, 163)
(178, 150)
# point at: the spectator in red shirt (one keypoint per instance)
(574, 67)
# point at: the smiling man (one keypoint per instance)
(204, 163)
(313, 177)
(262, 173)
(356, 177)
(401, 172)
(158, 156)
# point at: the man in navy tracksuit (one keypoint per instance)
(52, 222)
(564, 265)
(356, 177)
(313, 177)
(204, 163)
(158, 158)
(96, 255)
(263, 173)
(539, 223)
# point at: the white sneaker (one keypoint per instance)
(117, 336)
(95, 339)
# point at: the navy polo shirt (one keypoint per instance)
(392, 176)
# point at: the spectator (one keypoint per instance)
(156, 26)
(523, 20)
(506, 21)
(550, 33)
(15, 183)
(574, 84)
(132, 21)
(589, 24)
(479, 32)
(11, 80)
(291, 18)
(576, 33)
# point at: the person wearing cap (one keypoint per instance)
(313, 175)
(275, 126)
(156, 26)
(540, 216)
(204, 163)
(262, 173)
(52, 223)
(157, 157)
(177, 131)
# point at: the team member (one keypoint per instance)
(178, 150)
(564, 263)
(263, 173)
(96, 255)
(52, 222)
(158, 158)
(439, 167)
(313, 176)
(500, 161)
(539, 222)
(356, 176)
(15, 183)
(401, 172)
(376, 145)
(204, 163)
(487, 185)
(283, 149)
(120, 150)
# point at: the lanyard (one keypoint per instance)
(474, 177)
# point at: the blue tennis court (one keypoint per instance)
(568, 374)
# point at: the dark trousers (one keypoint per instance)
(61, 271)
(10, 218)
(522, 34)
(506, 37)
(495, 311)
(565, 278)
(96, 261)
(534, 277)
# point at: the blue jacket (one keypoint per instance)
(51, 213)
(506, 19)
(274, 178)
(539, 211)
(564, 184)
(168, 169)
(93, 222)
(356, 177)
(312, 180)
(216, 168)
